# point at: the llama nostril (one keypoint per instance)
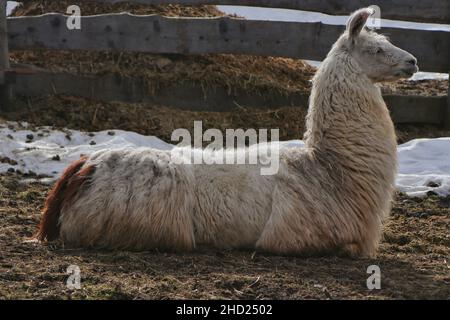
(412, 61)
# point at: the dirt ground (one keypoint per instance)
(413, 258)
(414, 255)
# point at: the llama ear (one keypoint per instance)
(357, 21)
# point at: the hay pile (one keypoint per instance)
(77, 113)
(91, 7)
(259, 75)
(61, 112)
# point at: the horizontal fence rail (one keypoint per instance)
(157, 34)
(404, 109)
(432, 11)
(111, 87)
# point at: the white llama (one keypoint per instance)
(330, 196)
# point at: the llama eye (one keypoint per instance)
(379, 50)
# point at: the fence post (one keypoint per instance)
(447, 110)
(5, 89)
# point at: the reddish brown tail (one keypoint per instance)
(63, 192)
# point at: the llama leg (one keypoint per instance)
(366, 244)
(352, 250)
(300, 224)
(290, 228)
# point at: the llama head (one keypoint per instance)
(379, 59)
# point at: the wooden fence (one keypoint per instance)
(157, 34)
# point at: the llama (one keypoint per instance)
(330, 196)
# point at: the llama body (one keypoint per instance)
(160, 204)
(332, 194)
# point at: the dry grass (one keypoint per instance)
(259, 75)
(93, 7)
(77, 113)
(82, 114)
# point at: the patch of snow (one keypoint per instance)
(48, 152)
(424, 164)
(10, 5)
(288, 15)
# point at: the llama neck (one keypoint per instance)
(346, 108)
(348, 123)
